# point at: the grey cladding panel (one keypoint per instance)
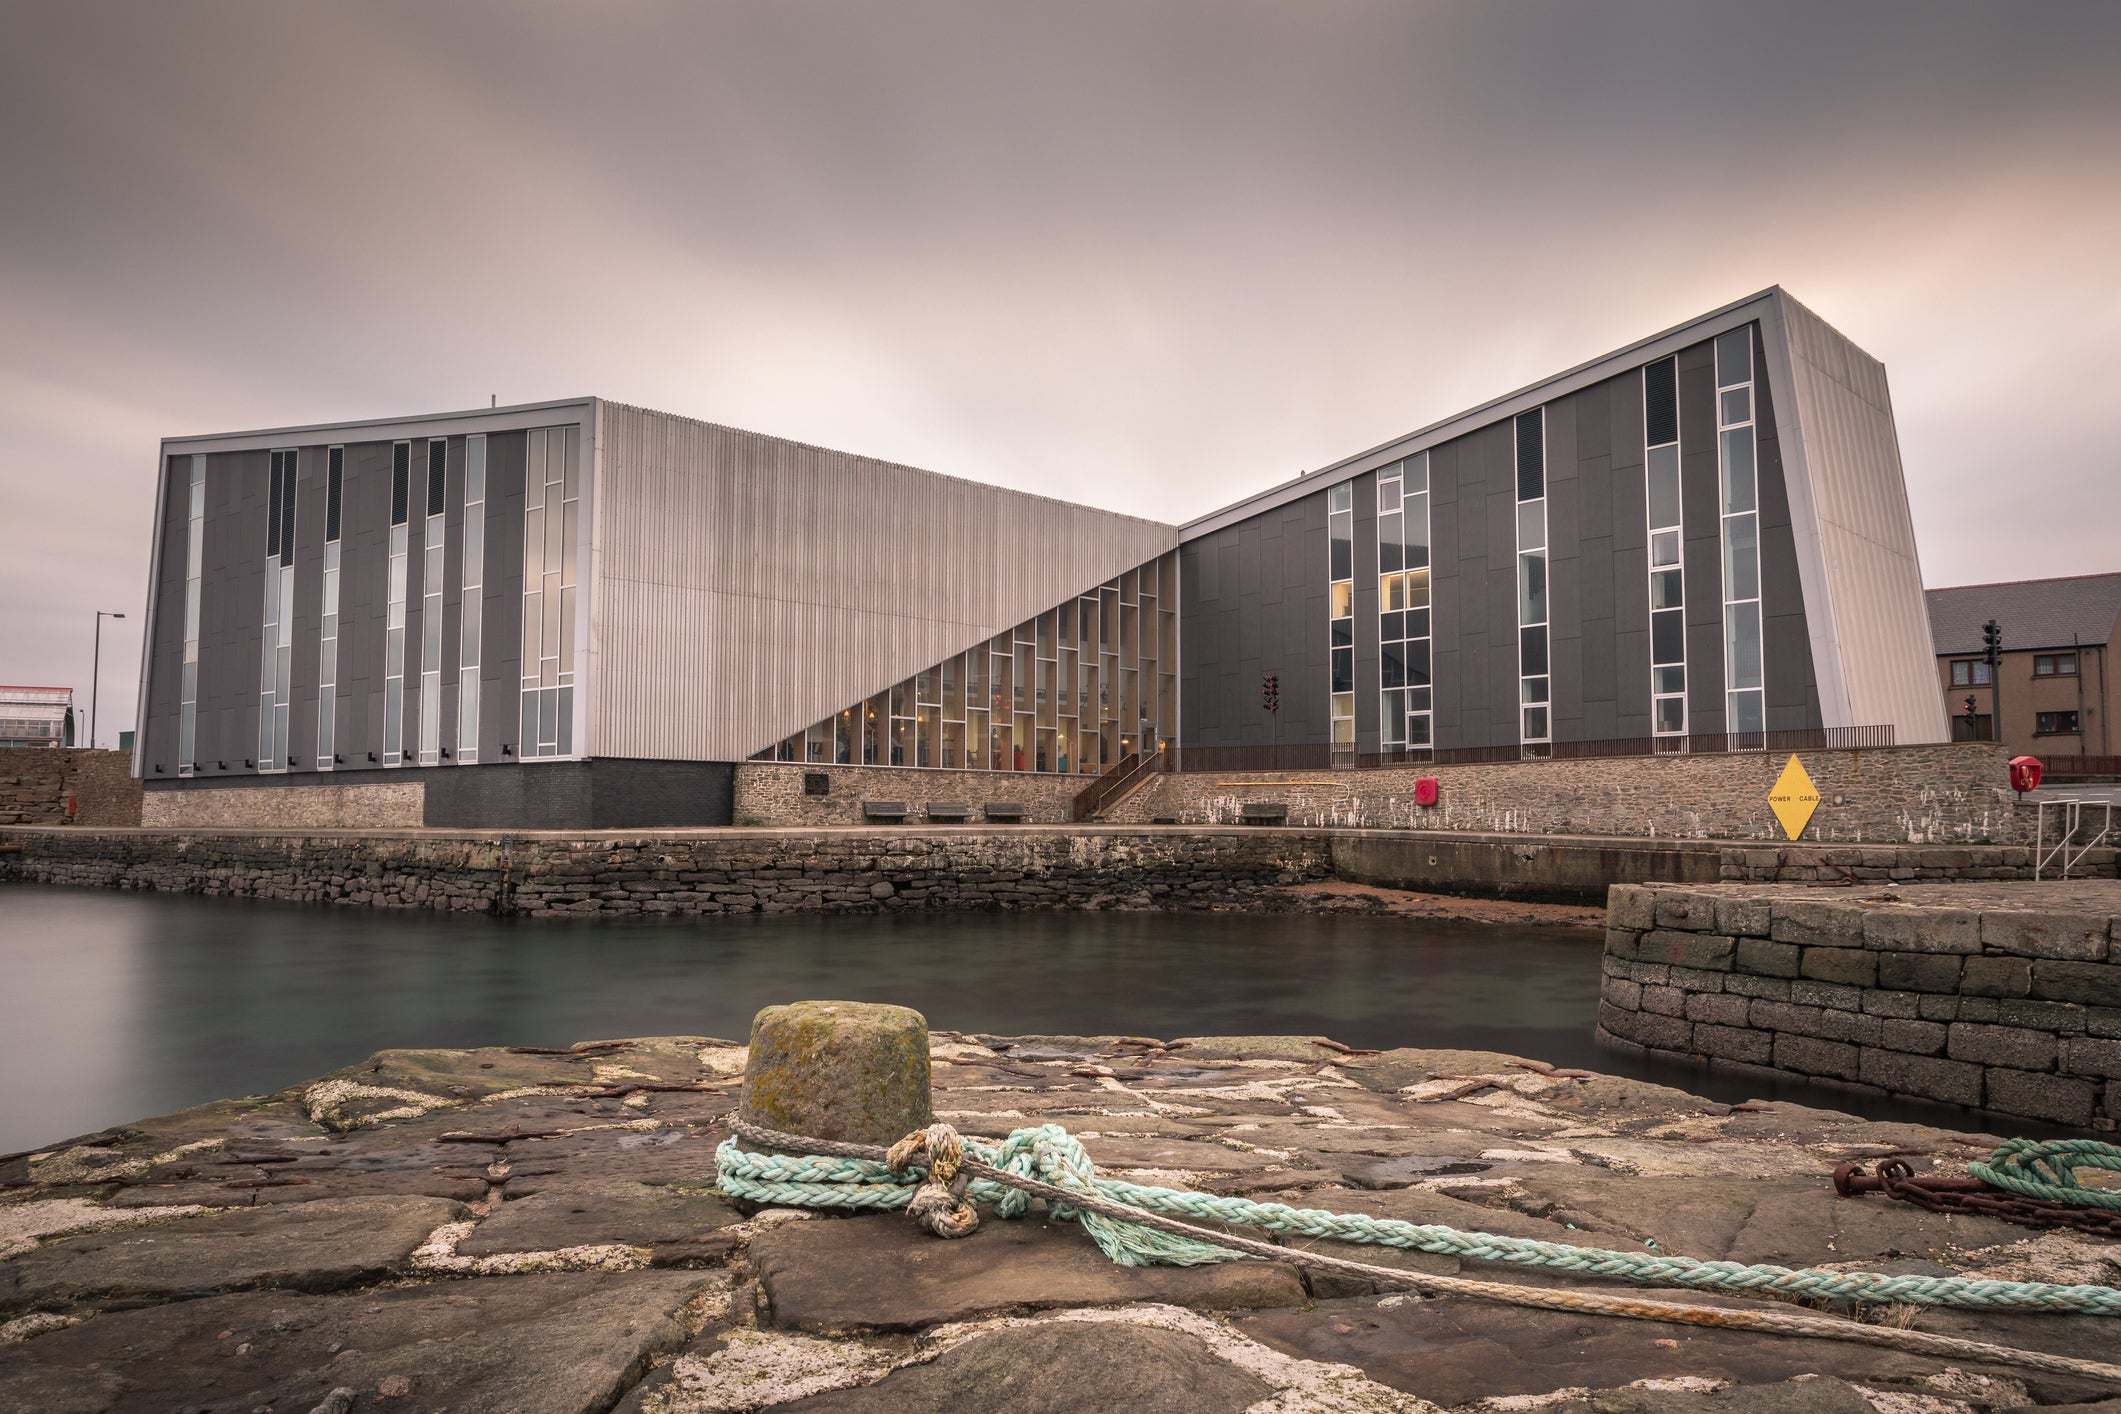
(1279, 566)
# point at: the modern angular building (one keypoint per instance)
(585, 614)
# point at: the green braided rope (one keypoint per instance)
(2046, 1168)
(1050, 1153)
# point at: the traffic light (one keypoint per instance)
(1973, 718)
(1992, 638)
(1270, 692)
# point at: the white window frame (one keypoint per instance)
(1526, 703)
(1735, 608)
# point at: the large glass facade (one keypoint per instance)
(1745, 697)
(1072, 691)
(1403, 624)
(276, 643)
(394, 606)
(1533, 681)
(1340, 567)
(551, 487)
(328, 610)
(194, 560)
(1667, 587)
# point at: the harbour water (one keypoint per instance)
(115, 1006)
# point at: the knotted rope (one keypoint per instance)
(1132, 1224)
(2046, 1169)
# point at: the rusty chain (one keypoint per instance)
(1941, 1193)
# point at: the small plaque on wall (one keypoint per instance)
(816, 783)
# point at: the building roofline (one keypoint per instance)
(384, 428)
(2009, 583)
(1693, 331)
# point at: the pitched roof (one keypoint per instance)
(2033, 613)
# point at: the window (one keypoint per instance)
(551, 503)
(394, 607)
(1340, 540)
(2054, 665)
(1403, 625)
(2054, 724)
(1660, 425)
(1744, 672)
(194, 559)
(1536, 727)
(276, 648)
(1970, 672)
(328, 633)
(432, 549)
(471, 607)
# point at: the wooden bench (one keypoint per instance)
(1264, 812)
(949, 812)
(886, 812)
(1004, 812)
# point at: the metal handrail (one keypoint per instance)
(1318, 756)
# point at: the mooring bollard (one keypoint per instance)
(851, 1071)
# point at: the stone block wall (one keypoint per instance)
(399, 805)
(2005, 998)
(1955, 793)
(722, 871)
(770, 793)
(37, 781)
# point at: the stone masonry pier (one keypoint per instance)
(1999, 996)
(714, 871)
(507, 1231)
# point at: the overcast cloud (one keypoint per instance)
(1150, 257)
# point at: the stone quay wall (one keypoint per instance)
(37, 781)
(2005, 998)
(1957, 793)
(771, 793)
(704, 872)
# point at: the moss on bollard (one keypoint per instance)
(851, 1071)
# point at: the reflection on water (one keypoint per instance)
(117, 1006)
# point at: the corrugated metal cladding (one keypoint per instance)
(746, 587)
(1866, 533)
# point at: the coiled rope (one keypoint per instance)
(1139, 1225)
(2046, 1169)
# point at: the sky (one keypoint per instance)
(1147, 256)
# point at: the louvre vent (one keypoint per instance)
(437, 465)
(400, 475)
(1531, 456)
(1660, 402)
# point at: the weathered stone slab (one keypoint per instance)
(881, 1273)
(319, 1246)
(1455, 1351)
(1059, 1368)
(555, 1343)
(592, 1214)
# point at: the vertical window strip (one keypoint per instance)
(276, 641)
(1340, 569)
(1403, 623)
(1663, 506)
(1074, 691)
(431, 573)
(471, 608)
(194, 555)
(1536, 728)
(394, 610)
(1737, 456)
(328, 623)
(551, 506)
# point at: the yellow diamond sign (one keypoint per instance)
(1793, 798)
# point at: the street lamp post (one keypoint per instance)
(95, 675)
